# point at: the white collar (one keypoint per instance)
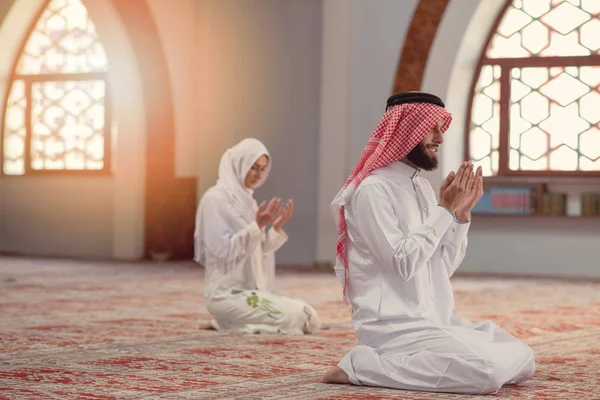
(403, 169)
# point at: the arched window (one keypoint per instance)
(56, 117)
(536, 104)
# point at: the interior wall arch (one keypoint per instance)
(505, 246)
(451, 66)
(129, 130)
(115, 203)
(144, 207)
(15, 19)
(440, 56)
(417, 44)
(170, 202)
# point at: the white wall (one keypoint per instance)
(362, 43)
(552, 246)
(177, 27)
(249, 68)
(73, 216)
(308, 78)
(380, 29)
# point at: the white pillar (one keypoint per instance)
(336, 101)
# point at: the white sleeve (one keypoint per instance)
(453, 246)
(274, 240)
(379, 227)
(220, 240)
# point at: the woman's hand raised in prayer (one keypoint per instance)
(267, 214)
(285, 215)
(456, 189)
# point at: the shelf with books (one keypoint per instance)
(576, 205)
(517, 199)
(531, 198)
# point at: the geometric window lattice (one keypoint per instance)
(553, 119)
(547, 28)
(536, 99)
(55, 117)
(485, 120)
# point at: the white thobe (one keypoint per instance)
(239, 279)
(402, 250)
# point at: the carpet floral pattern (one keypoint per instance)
(125, 331)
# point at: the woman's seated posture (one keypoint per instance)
(238, 252)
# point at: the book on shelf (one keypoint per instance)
(505, 201)
(590, 204)
(554, 204)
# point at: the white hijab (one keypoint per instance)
(235, 164)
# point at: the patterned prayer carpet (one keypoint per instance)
(72, 330)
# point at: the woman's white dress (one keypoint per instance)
(239, 257)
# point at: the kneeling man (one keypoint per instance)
(397, 249)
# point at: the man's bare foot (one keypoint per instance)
(336, 375)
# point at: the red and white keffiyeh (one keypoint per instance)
(400, 130)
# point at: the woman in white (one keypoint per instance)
(238, 251)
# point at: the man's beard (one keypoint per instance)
(419, 157)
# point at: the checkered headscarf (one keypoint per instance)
(400, 130)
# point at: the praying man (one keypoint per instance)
(397, 248)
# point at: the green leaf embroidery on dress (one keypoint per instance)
(261, 303)
(267, 305)
(252, 301)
